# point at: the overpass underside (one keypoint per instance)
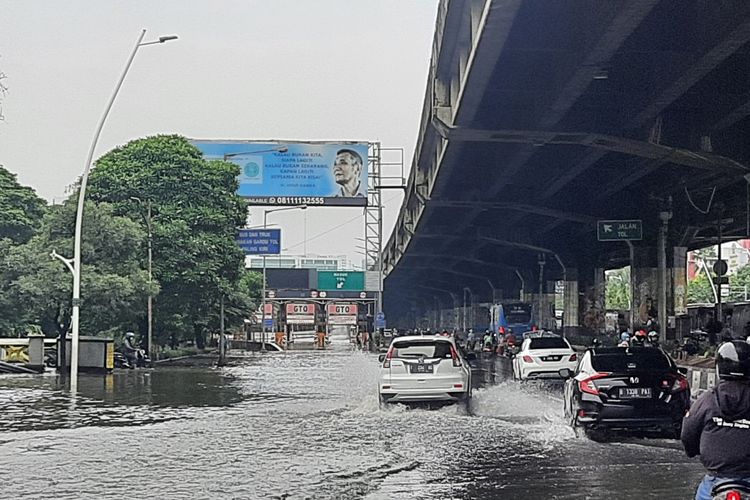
(540, 118)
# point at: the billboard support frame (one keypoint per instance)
(374, 219)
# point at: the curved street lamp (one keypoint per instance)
(75, 320)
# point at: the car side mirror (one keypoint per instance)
(565, 373)
(381, 358)
(682, 370)
(470, 356)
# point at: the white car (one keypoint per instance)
(543, 357)
(427, 368)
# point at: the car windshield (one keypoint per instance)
(422, 349)
(548, 343)
(619, 360)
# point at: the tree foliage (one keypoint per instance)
(617, 289)
(21, 210)
(37, 289)
(195, 215)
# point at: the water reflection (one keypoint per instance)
(307, 425)
(128, 397)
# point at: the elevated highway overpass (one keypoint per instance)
(540, 118)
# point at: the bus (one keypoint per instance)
(512, 317)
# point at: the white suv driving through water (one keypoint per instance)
(427, 368)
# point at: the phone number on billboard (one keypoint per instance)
(297, 200)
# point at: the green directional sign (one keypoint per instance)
(619, 230)
(341, 280)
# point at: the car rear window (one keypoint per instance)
(620, 360)
(422, 349)
(548, 343)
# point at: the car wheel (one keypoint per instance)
(596, 435)
(673, 432)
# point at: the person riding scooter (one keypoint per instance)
(130, 349)
(717, 427)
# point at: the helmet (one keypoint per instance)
(624, 336)
(596, 342)
(733, 360)
(130, 335)
(653, 336)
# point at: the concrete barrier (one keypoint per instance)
(701, 380)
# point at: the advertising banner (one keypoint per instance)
(260, 241)
(295, 173)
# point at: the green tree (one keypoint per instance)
(37, 289)
(195, 216)
(21, 210)
(700, 291)
(617, 289)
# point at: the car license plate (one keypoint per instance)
(551, 358)
(635, 392)
(421, 368)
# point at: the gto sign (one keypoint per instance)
(300, 313)
(342, 309)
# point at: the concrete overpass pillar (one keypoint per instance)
(646, 276)
(592, 305)
(570, 303)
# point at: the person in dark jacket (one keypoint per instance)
(717, 427)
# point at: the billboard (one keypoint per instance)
(295, 173)
(260, 241)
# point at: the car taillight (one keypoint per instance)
(388, 356)
(528, 359)
(501, 330)
(587, 384)
(454, 355)
(680, 384)
(573, 357)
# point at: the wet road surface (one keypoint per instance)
(307, 425)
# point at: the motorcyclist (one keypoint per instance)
(130, 349)
(717, 427)
(487, 341)
(624, 340)
(653, 338)
(639, 339)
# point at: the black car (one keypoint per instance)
(634, 389)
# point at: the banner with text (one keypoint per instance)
(295, 173)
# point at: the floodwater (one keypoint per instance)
(302, 425)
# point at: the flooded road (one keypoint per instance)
(307, 425)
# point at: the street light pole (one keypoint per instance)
(147, 218)
(265, 226)
(76, 302)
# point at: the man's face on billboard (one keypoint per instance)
(346, 168)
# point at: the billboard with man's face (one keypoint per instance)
(295, 173)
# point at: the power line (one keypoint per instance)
(315, 237)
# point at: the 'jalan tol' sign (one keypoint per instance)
(619, 230)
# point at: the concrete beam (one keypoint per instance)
(608, 143)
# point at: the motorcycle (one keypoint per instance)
(141, 360)
(731, 490)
